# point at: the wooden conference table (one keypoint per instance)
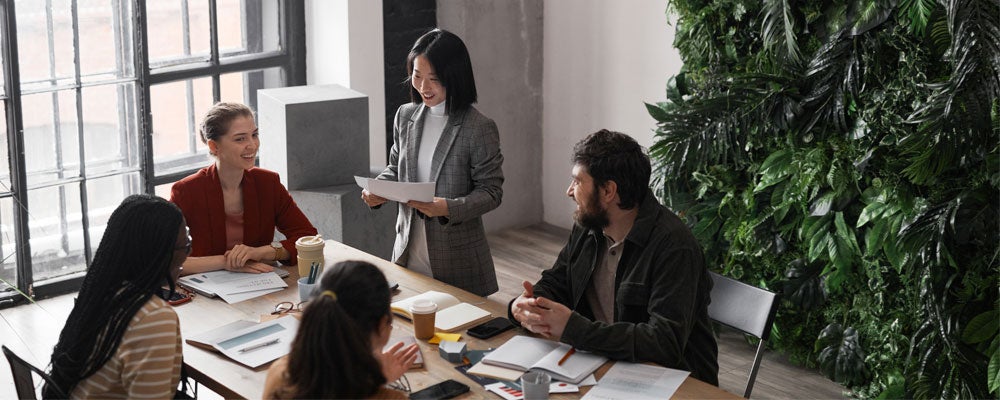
(233, 380)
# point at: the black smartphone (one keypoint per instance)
(178, 298)
(444, 390)
(490, 328)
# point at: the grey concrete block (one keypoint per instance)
(338, 213)
(314, 136)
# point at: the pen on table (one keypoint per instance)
(566, 357)
(258, 346)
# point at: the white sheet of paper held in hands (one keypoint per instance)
(398, 191)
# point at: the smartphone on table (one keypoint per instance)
(176, 299)
(490, 328)
(444, 390)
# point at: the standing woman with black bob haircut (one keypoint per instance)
(337, 352)
(121, 339)
(440, 137)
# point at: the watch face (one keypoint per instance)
(276, 245)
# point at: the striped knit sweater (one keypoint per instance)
(147, 364)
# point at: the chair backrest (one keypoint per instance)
(747, 308)
(23, 383)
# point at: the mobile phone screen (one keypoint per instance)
(490, 328)
(444, 390)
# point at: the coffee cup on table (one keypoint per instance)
(423, 312)
(310, 250)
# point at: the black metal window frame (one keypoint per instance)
(290, 58)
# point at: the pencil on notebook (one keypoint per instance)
(566, 357)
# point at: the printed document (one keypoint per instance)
(637, 381)
(398, 191)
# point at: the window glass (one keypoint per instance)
(56, 229)
(177, 109)
(105, 40)
(45, 44)
(178, 31)
(111, 135)
(8, 244)
(4, 165)
(242, 86)
(51, 137)
(103, 197)
(248, 27)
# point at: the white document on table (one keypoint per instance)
(398, 191)
(637, 381)
(234, 287)
(259, 344)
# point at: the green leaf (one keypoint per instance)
(874, 238)
(871, 211)
(982, 327)
(846, 234)
(656, 112)
(993, 372)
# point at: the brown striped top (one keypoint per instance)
(147, 364)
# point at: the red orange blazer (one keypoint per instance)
(266, 205)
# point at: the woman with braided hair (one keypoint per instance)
(121, 339)
(337, 352)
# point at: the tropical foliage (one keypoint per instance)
(847, 154)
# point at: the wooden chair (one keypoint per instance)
(747, 308)
(23, 383)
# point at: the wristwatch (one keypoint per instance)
(277, 249)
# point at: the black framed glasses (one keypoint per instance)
(287, 307)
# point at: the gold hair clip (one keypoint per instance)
(330, 294)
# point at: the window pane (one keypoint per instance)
(45, 38)
(242, 86)
(51, 135)
(103, 197)
(56, 231)
(105, 40)
(178, 31)
(8, 259)
(111, 135)
(177, 109)
(248, 26)
(5, 185)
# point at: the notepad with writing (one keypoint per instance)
(525, 353)
(452, 315)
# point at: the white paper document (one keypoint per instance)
(398, 191)
(233, 287)
(637, 382)
(259, 344)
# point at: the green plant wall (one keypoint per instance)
(847, 154)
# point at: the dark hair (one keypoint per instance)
(452, 65)
(614, 156)
(332, 353)
(216, 121)
(131, 264)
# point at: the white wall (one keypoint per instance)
(603, 59)
(344, 46)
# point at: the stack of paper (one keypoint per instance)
(636, 382)
(233, 287)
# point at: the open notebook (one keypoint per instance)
(525, 353)
(452, 315)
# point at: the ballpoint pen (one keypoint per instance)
(566, 357)
(258, 346)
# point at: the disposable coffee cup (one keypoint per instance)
(423, 312)
(535, 385)
(310, 250)
(307, 290)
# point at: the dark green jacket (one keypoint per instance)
(661, 295)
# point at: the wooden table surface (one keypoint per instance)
(233, 380)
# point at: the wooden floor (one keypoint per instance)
(522, 254)
(519, 254)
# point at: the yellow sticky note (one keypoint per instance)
(439, 336)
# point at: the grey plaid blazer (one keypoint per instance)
(467, 168)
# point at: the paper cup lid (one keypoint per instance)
(308, 241)
(423, 306)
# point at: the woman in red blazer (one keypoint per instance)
(232, 207)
